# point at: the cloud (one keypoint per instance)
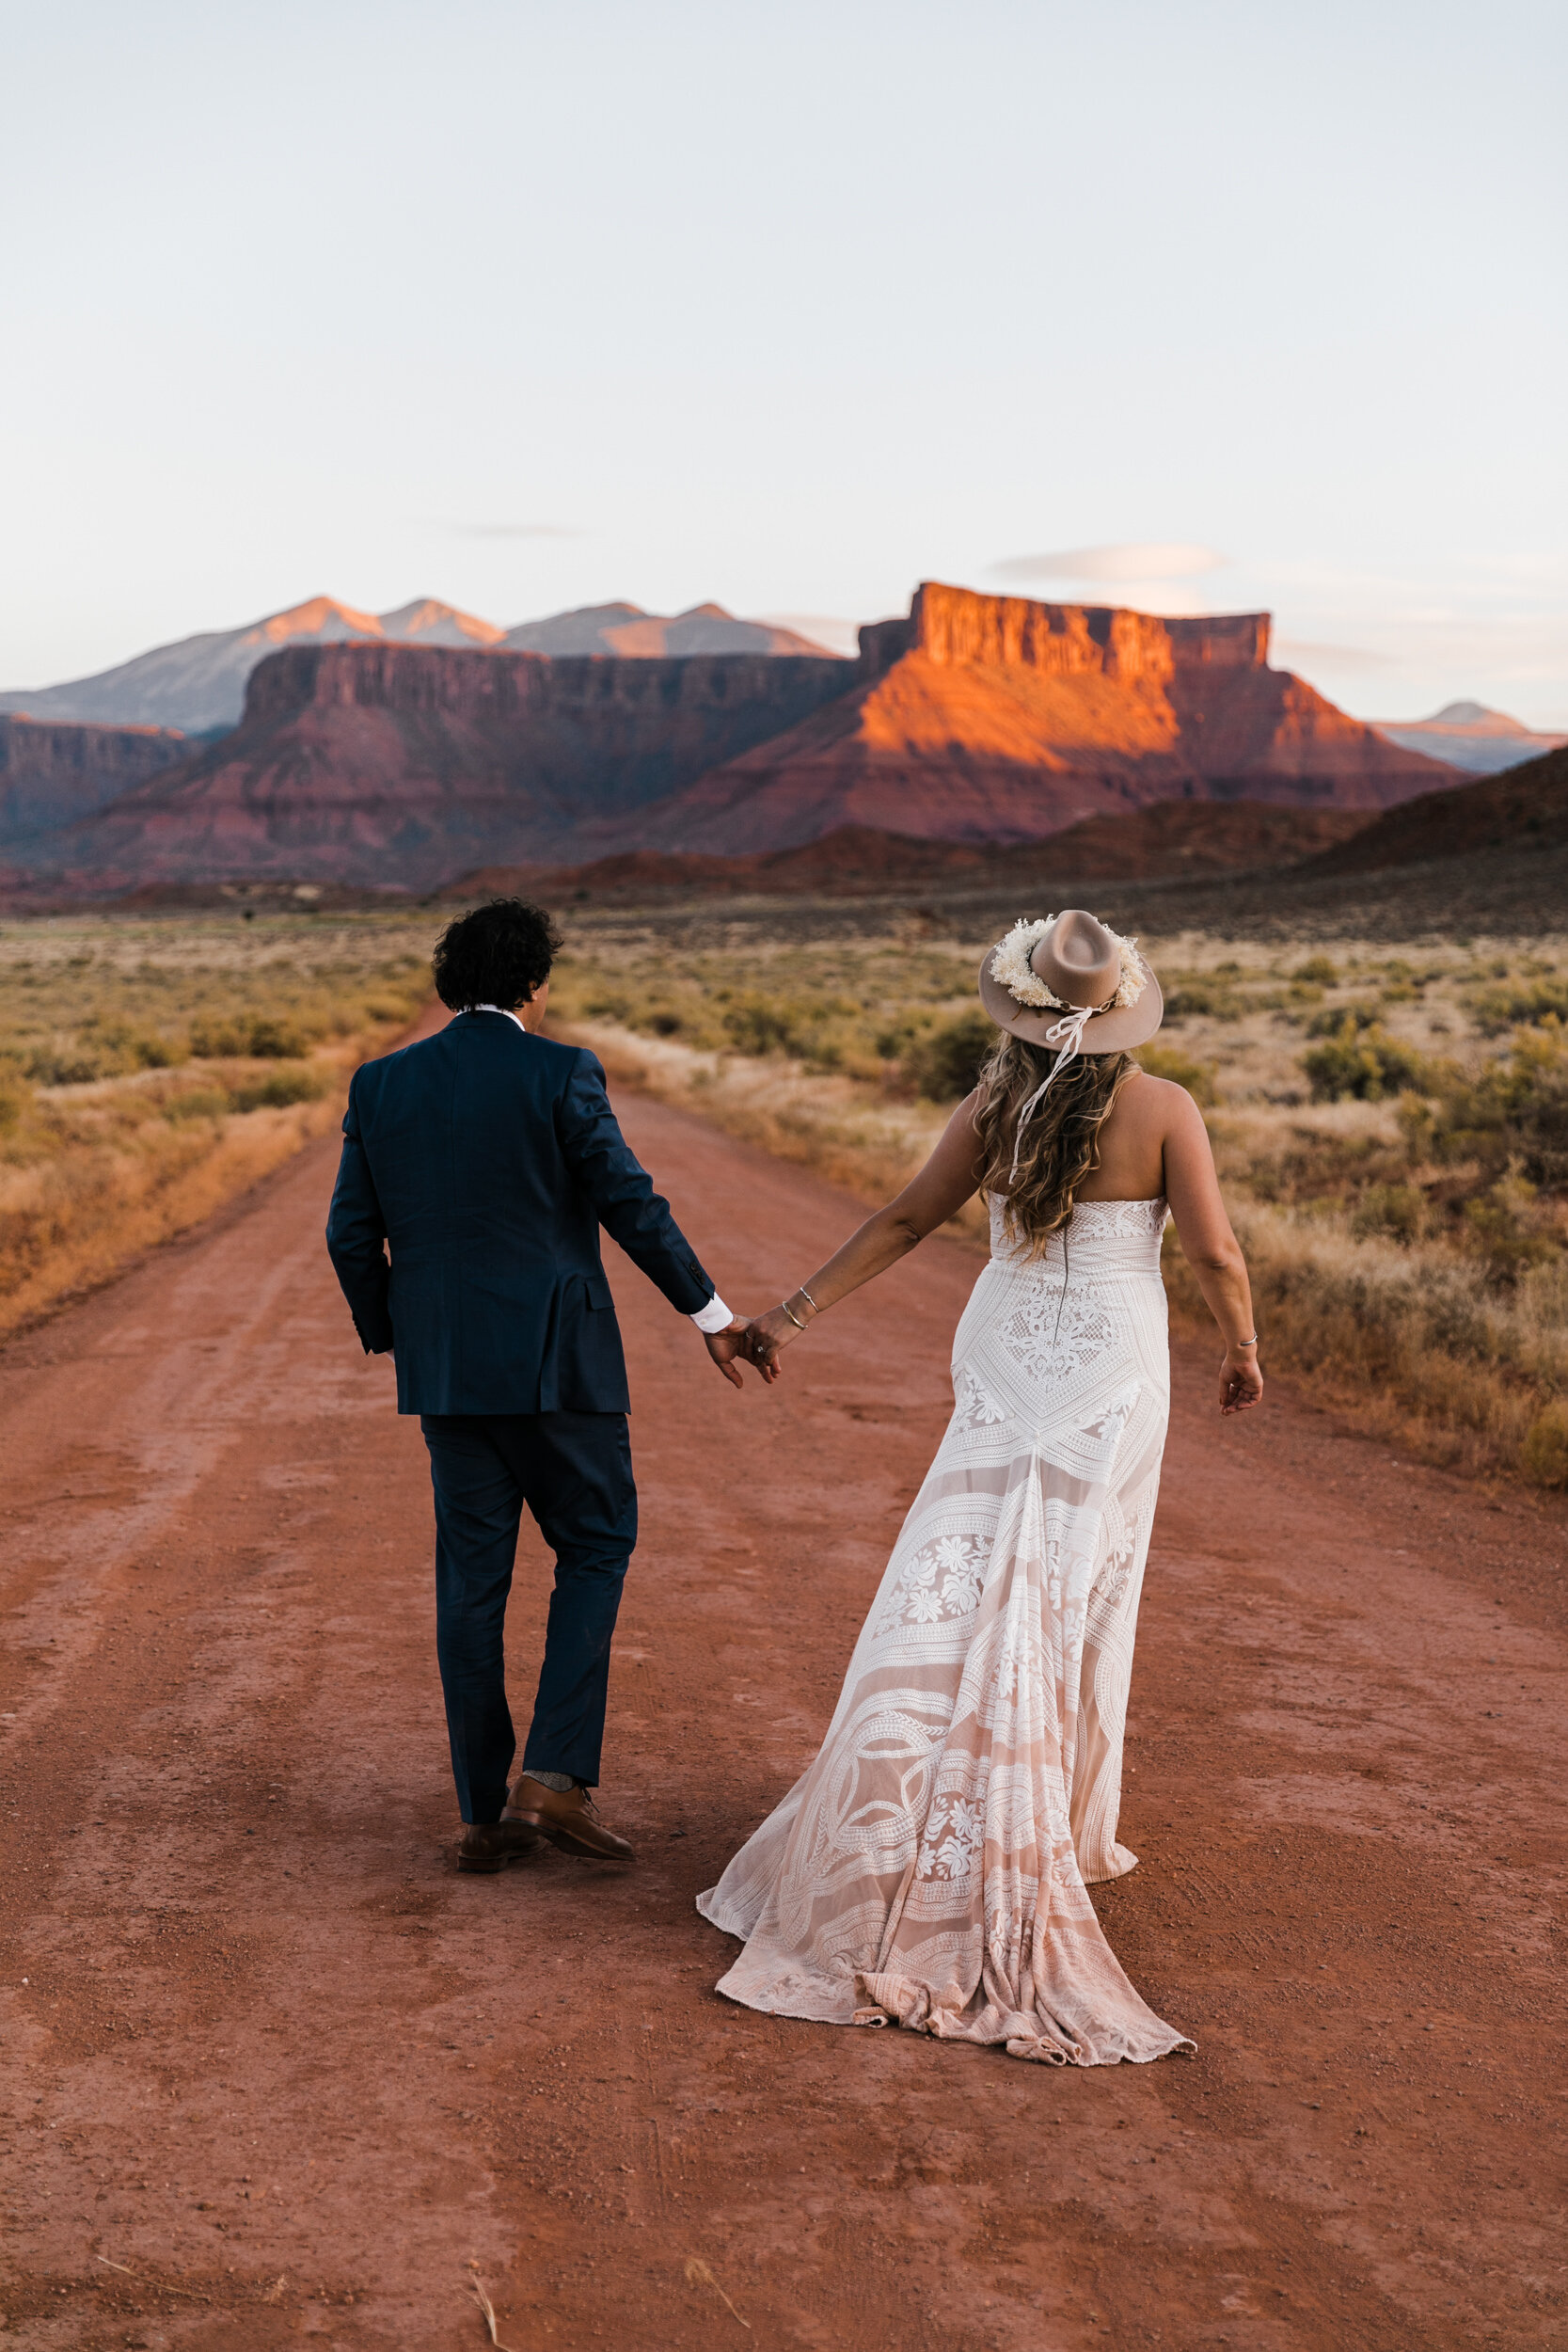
(1137, 560)
(1295, 649)
(516, 530)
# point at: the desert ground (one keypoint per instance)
(273, 2073)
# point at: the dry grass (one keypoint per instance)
(1392, 1131)
(153, 1067)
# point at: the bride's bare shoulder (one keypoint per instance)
(1152, 1106)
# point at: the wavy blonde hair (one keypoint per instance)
(1061, 1143)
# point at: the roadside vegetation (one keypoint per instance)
(1393, 1132)
(1392, 1129)
(152, 1067)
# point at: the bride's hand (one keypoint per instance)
(765, 1337)
(1241, 1382)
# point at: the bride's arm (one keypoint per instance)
(947, 1180)
(1212, 1250)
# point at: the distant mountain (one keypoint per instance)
(1524, 809)
(1469, 736)
(977, 719)
(198, 684)
(628, 633)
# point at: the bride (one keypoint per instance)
(929, 1868)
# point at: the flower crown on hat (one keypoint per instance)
(1012, 968)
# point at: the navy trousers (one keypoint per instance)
(573, 1470)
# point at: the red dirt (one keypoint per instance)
(273, 2073)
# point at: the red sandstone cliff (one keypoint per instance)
(52, 772)
(995, 718)
(400, 764)
(978, 718)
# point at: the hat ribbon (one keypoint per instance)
(1066, 1035)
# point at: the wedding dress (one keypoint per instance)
(929, 1868)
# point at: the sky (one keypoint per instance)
(528, 304)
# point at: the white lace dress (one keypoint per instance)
(929, 1868)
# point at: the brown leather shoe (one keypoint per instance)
(490, 1845)
(567, 1818)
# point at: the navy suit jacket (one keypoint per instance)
(489, 1159)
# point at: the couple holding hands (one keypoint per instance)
(929, 1868)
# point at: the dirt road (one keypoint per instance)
(273, 2073)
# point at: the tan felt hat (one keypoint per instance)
(1068, 982)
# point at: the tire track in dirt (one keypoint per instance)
(275, 2058)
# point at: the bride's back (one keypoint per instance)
(1131, 1160)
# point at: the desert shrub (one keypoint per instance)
(71, 1065)
(944, 1064)
(1342, 1017)
(1515, 1114)
(1544, 1455)
(254, 1037)
(1504, 1226)
(1498, 1009)
(1183, 1070)
(1398, 1210)
(1318, 972)
(15, 1097)
(199, 1103)
(812, 1028)
(1366, 1064)
(278, 1089)
(1214, 997)
(757, 1024)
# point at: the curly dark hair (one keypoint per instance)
(497, 955)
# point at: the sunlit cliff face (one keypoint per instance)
(976, 718)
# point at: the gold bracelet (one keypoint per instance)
(794, 1318)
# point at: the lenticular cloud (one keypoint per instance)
(1133, 559)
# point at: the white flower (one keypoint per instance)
(1011, 967)
(951, 1860)
(966, 1821)
(962, 1591)
(1010, 964)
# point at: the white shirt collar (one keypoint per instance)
(501, 1009)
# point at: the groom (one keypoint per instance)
(489, 1156)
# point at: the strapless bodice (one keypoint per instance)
(1100, 1236)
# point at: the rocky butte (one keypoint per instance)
(995, 718)
(975, 718)
(403, 765)
(51, 772)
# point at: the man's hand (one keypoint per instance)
(724, 1346)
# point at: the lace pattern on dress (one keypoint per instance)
(930, 1866)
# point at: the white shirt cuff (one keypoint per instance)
(715, 1316)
